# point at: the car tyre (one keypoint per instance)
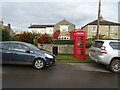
(39, 64)
(115, 66)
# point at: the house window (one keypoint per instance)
(111, 30)
(94, 29)
(64, 38)
(63, 28)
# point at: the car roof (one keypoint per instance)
(109, 40)
(15, 42)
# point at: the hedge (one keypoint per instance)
(5, 35)
(88, 42)
(62, 42)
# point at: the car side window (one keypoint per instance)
(6, 46)
(20, 47)
(115, 45)
(0, 46)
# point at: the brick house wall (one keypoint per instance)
(71, 27)
(109, 29)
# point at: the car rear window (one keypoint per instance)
(98, 44)
(115, 45)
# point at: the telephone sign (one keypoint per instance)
(80, 44)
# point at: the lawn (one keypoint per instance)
(70, 58)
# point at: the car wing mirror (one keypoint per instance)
(27, 51)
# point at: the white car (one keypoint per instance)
(106, 52)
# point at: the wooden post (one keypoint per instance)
(98, 23)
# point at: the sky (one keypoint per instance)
(22, 13)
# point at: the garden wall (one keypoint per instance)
(62, 49)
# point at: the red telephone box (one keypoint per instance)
(80, 44)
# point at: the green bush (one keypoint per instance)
(103, 37)
(5, 35)
(62, 42)
(89, 43)
(33, 38)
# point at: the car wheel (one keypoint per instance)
(115, 66)
(39, 64)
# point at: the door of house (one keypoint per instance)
(55, 50)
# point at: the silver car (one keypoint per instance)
(106, 52)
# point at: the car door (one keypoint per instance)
(6, 52)
(0, 53)
(20, 55)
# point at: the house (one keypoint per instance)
(8, 27)
(64, 26)
(43, 29)
(20, 32)
(106, 28)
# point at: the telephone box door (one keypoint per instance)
(80, 44)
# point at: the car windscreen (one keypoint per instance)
(115, 45)
(98, 44)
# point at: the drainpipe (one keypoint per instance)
(109, 32)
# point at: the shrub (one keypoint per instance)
(89, 43)
(103, 37)
(44, 39)
(33, 38)
(56, 34)
(26, 37)
(5, 35)
(62, 42)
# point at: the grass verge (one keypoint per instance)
(69, 58)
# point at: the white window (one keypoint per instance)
(64, 38)
(94, 29)
(63, 28)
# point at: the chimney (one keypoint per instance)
(1, 21)
(9, 27)
(101, 18)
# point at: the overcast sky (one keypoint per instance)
(20, 14)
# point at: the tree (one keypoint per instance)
(5, 35)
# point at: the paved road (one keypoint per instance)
(62, 75)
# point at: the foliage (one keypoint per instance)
(89, 42)
(62, 42)
(71, 35)
(5, 35)
(102, 36)
(56, 34)
(26, 37)
(44, 39)
(33, 38)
